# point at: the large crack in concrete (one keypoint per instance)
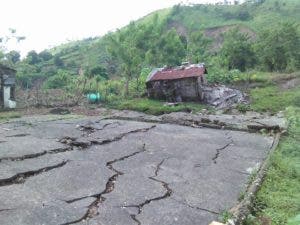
(110, 185)
(196, 207)
(87, 143)
(18, 135)
(72, 142)
(167, 194)
(21, 177)
(219, 150)
(120, 136)
(36, 155)
(89, 129)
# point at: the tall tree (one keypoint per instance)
(45, 55)
(198, 46)
(124, 47)
(278, 48)
(13, 57)
(171, 49)
(99, 71)
(237, 51)
(33, 58)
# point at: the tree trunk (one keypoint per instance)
(137, 84)
(84, 84)
(127, 87)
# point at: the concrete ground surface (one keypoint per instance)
(115, 172)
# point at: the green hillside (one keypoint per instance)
(212, 20)
(198, 17)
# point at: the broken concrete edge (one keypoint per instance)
(241, 211)
(197, 124)
(216, 223)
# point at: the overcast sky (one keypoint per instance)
(46, 23)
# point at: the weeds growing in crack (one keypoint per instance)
(21, 177)
(167, 194)
(110, 186)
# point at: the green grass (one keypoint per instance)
(155, 107)
(6, 115)
(273, 99)
(279, 197)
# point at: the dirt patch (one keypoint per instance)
(217, 34)
(290, 84)
(180, 28)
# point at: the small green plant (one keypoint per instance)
(243, 108)
(225, 216)
(251, 220)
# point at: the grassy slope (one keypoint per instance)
(279, 197)
(91, 52)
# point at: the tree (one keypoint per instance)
(4, 39)
(58, 62)
(123, 46)
(33, 58)
(197, 47)
(13, 57)
(171, 49)
(45, 55)
(237, 51)
(278, 48)
(99, 71)
(59, 80)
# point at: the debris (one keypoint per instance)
(222, 96)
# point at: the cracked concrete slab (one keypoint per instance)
(104, 171)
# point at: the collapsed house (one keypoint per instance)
(7, 87)
(188, 83)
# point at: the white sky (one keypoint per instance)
(46, 23)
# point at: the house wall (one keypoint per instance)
(187, 89)
(6, 96)
(7, 87)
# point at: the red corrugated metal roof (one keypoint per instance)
(178, 73)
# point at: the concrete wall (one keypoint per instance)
(8, 102)
(6, 96)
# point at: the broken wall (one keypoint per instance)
(176, 90)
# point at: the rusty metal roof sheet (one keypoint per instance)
(196, 70)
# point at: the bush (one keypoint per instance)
(59, 80)
(222, 76)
